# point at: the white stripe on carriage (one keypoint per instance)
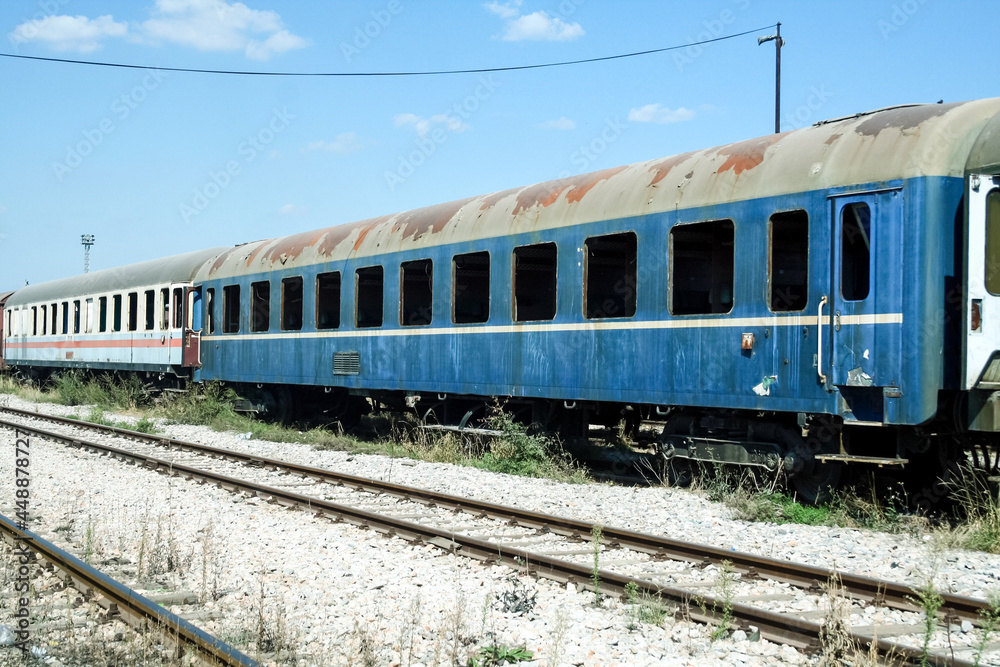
(536, 327)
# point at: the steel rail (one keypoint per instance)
(782, 628)
(868, 589)
(123, 602)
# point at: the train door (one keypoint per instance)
(191, 319)
(981, 368)
(866, 297)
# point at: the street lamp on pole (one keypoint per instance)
(87, 240)
(778, 43)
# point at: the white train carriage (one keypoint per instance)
(141, 317)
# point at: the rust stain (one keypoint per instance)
(431, 219)
(221, 260)
(334, 236)
(291, 246)
(544, 194)
(833, 138)
(905, 118)
(254, 254)
(586, 183)
(365, 229)
(745, 155)
(491, 200)
(663, 167)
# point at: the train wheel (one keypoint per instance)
(679, 471)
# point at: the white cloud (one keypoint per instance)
(506, 10)
(69, 33)
(219, 25)
(206, 25)
(345, 142)
(424, 125)
(537, 26)
(293, 209)
(279, 42)
(563, 123)
(657, 113)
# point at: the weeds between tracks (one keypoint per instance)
(516, 452)
(975, 525)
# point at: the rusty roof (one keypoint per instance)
(888, 144)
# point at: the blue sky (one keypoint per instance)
(157, 164)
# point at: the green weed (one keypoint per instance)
(596, 537)
(499, 654)
(727, 581)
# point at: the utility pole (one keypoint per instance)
(87, 240)
(778, 43)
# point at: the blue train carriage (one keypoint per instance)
(802, 300)
(141, 318)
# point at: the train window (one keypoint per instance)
(76, 316)
(260, 306)
(291, 303)
(102, 308)
(53, 311)
(34, 321)
(88, 316)
(369, 283)
(164, 308)
(788, 263)
(230, 309)
(65, 317)
(44, 329)
(133, 311)
(701, 268)
(178, 306)
(150, 309)
(470, 299)
(210, 309)
(609, 275)
(535, 282)
(993, 242)
(328, 300)
(116, 307)
(855, 249)
(416, 293)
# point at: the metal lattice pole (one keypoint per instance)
(87, 240)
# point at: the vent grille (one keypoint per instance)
(346, 363)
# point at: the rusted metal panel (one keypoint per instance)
(890, 144)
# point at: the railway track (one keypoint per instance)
(121, 602)
(670, 571)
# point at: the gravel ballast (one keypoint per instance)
(333, 594)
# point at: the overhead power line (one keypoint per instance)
(480, 70)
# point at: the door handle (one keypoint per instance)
(819, 341)
(836, 321)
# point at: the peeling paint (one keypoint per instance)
(746, 155)
(903, 118)
(587, 182)
(764, 387)
(416, 223)
(858, 378)
(662, 168)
